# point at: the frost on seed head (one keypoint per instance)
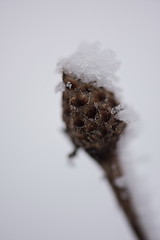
(124, 113)
(69, 85)
(91, 64)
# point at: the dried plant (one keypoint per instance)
(89, 112)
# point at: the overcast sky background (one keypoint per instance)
(41, 195)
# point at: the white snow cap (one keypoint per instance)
(124, 113)
(91, 63)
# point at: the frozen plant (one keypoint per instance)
(95, 119)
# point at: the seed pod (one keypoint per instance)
(88, 117)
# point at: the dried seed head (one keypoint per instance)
(87, 115)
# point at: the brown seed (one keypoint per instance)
(104, 131)
(91, 111)
(78, 122)
(79, 100)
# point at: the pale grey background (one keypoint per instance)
(41, 195)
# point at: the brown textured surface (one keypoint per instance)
(90, 124)
(87, 114)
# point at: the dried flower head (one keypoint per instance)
(87, 113)
(94, 117)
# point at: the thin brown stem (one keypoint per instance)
(111, 166)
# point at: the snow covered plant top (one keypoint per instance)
(91, 63)
(124, 113)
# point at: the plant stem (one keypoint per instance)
(110, 164)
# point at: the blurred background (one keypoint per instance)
(43, 196)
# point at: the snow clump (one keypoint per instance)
(91, 64)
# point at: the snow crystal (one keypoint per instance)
(69, 85)
(124, 113)
(117, 109)
(91, 64)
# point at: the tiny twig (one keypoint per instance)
(74, 152)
